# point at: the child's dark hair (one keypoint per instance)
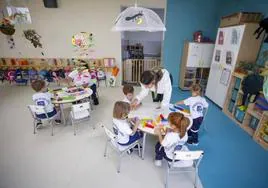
(180, 121)
(121, 109)
(38, 85)
(128, 89)
(196, 88)
(149, 76)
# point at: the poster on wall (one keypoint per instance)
(229, 57)
(225, 76)
(221, 38)
(218, 56)
(21, 14)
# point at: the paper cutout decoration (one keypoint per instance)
(83, 43)
(33, 37)
(138, 19)
(21, 15)
(10, 41)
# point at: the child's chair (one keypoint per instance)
(184, 161)
(205, 111)
(33, 75)
(101, 76)
(41, 110)
(11, 76)
(121, 150)
(2, 75)
(19, 77)
(80, 112)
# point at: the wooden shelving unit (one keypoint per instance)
(254, 122)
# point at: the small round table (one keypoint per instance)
(88, 93)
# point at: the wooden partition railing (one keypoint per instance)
(133, 68)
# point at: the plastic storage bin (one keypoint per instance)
(231, 106)
(253, 123)
(237, 83)
(239, 115)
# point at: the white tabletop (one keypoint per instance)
(88, 93)
(148, 110)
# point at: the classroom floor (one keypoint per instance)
(232, 158)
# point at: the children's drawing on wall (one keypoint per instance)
(235, 36)
(229, 57)
(84, 44)
(225, 75)
(221, 38)
(217, 56)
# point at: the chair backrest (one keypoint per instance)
(188, 155)
(34, 109)
(80, 107)
(110, 134)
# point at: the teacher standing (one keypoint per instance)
(159, 82)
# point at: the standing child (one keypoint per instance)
(43, 98)
(128, 91)
(125, 134)
(197, 103)
(175, 136)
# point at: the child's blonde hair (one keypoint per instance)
(180, 121)
(121, 109)
(196, 88)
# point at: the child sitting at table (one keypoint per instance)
(121, 124)
(128, 91)
(197, 103)
(43, 98)
(174, 136)
(81, 77)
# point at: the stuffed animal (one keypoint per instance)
(263, 27)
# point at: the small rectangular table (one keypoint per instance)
(148, 110)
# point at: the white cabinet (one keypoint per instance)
(199, 54)
(195, 64)
(233, 44)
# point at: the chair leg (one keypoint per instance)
(34, 124)
(73, 127)
(52, 127)
(166, 178)
(195, 179)
(105, 149)
(119, 163)
(139, 149)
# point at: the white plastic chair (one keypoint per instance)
(184, 161)
(34, 109)
(121, 150)
(80, 112)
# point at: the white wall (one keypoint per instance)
(56, 26)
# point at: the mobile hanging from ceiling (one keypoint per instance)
(136, 18)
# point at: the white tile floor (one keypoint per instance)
(65, 160)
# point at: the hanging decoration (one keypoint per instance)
(22, 15)
(83, 43)
(138, 19)
(33, 37)
(10, 41)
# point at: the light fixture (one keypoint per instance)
(138, 19)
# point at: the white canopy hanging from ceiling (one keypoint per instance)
(138, 19)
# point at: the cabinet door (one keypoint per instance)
(194, 55)
(207, 54)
